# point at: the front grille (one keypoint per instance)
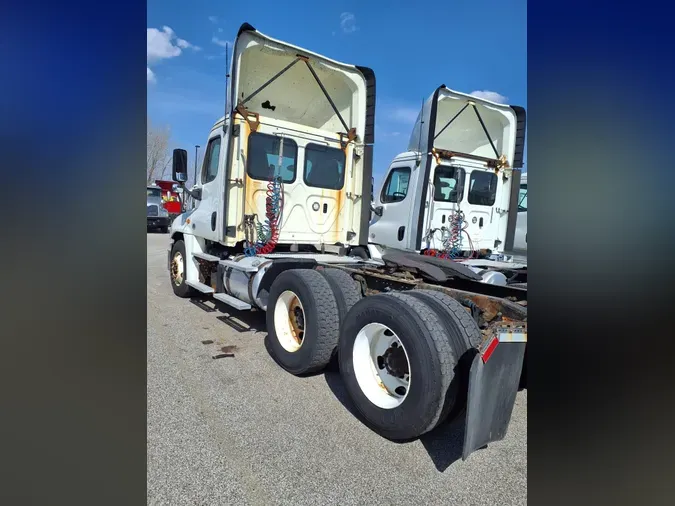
(153, 210)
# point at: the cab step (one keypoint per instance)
(206, 256)
(200, 286)
(232, 301)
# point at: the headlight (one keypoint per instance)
(163, 211)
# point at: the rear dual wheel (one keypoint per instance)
(403, 358)
(305, 310)
(302, 321)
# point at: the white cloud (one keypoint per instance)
(163, 44)
(160, 46)
(220, 42)
(213, 19)
(348, 22)
(151, 76)
(492, 96)
(184, 44)
(220, 30)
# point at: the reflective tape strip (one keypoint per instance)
(512, 337)
(489, 349)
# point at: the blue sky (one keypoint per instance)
(413, 47)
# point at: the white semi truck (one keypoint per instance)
(282, 226)
(454, 193)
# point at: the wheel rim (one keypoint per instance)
(381, 366)
(289, 321)
(177, 269)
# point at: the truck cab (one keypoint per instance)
(157, 214)
(296, 141)
(451, 191)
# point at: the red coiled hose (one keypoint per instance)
(274, 203)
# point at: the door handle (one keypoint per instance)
(401, 232)
(213, 221)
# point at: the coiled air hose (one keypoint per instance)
(268, 232)
(452, 245)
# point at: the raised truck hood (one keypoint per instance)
(296, 96)
(465, 133)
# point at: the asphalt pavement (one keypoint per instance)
(240, 430)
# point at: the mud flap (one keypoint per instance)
(493, 384)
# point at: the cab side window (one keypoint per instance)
(211, 160)
(395, 188)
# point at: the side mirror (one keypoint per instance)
(377, 210)
(180, 171)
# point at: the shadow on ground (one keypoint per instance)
(443, 444)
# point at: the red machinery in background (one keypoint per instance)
(171, 199)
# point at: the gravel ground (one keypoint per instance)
(243, 431)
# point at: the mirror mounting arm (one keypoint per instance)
(195, 194)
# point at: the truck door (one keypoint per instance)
(446, 196)
(483, 221)
(206, 219)
(395, 206)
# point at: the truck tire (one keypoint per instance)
(464, 327)
(302, 321)
(177, 271)
(397, 364)
(346, 290)
(464, 337)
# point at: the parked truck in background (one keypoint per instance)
(450, 194)
(282, 226)
(170, 197)
(158, 215)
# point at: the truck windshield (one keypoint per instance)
(154, 192)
